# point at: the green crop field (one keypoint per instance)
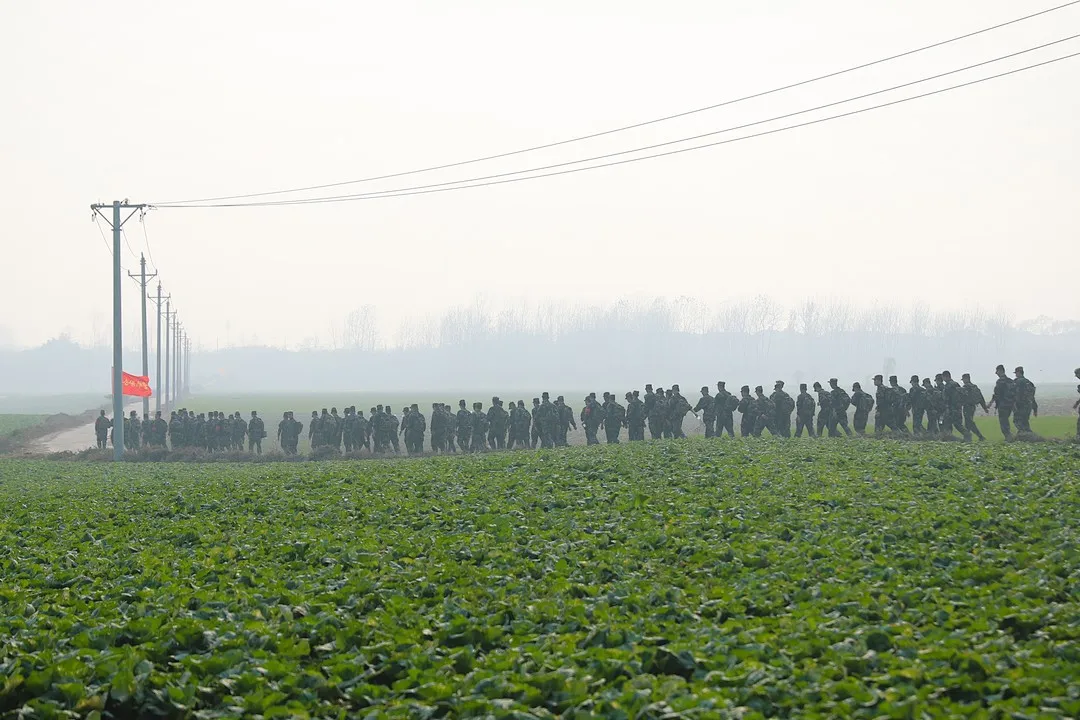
(657, 580)
(11, 423)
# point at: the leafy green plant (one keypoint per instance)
(690, 578)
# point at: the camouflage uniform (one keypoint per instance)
(498, 422)
(725, 404)
(613, 420)
(256, 431)
(534, 434)
(548, 420)
(783, 405)
(825, 421)
(592, 417)
(521, 422)
(917, 401)
(746, 408)
(805, 406)
(883, 405)
(101, 430)
(935, 406)
(900, 405)
(954, 406)
(677, 410)
(566, 421)
(864, 403)
(972, 397)
(635, 418)
(314, 436)
(657, 415)
(438, 428)
(764, 411)
(706, 405)
(479, 428)
(1004, 398)
(841, 401)
(464, 428)
(416, 426)
(1025, 402)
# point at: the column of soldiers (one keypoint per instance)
(937, 408)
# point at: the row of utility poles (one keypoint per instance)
(170, 386)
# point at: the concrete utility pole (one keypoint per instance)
(142, 277)
(176, 366)
(117, 225)
(187, 366)
(168, 336)
(157, 353)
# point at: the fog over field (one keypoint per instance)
(626, 345)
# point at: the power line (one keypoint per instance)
(122, 232)
(106, 241)
(420, 191)
(605, 156)
(146, 239)
(635, 125)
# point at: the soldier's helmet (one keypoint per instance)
(946, 374)
(817, 385)
(856, 386)
(1000, 368)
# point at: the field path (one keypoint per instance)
(72, 440)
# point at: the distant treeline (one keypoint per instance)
(626, 345)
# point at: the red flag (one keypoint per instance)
(137, 385)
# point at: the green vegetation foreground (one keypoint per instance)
(826, 579)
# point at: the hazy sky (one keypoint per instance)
(968, 197)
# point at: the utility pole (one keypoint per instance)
(168, 336)
(187, 365)
(176, 363)
(157, 353)
(142, 277)
(117, 225)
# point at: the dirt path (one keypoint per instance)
(73, 440)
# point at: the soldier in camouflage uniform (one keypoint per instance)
(438, 428)
(900, 405)
(566, 421)
(132, 428)
(614, 417)
(954, 406)
(825, 421)
(635, 418)
(884, 405)
(464, 427)
(101, 430)
(783, 405)
(864, 403)
(256, 431)
(935, 404)
(313, 434)
(522, 424)
(239, 431)
(1025, 403)
(972, 397)
(416, 427)
(706, 405)
(763, 411)
(725, 404)
(917, 400)
(498, 420)
(746, 410)
(805, 406)
(841, 401)
(1004, 398)
(657, 414)
(161, 430)
(549, 421)
(479, 428)
(592, 417)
